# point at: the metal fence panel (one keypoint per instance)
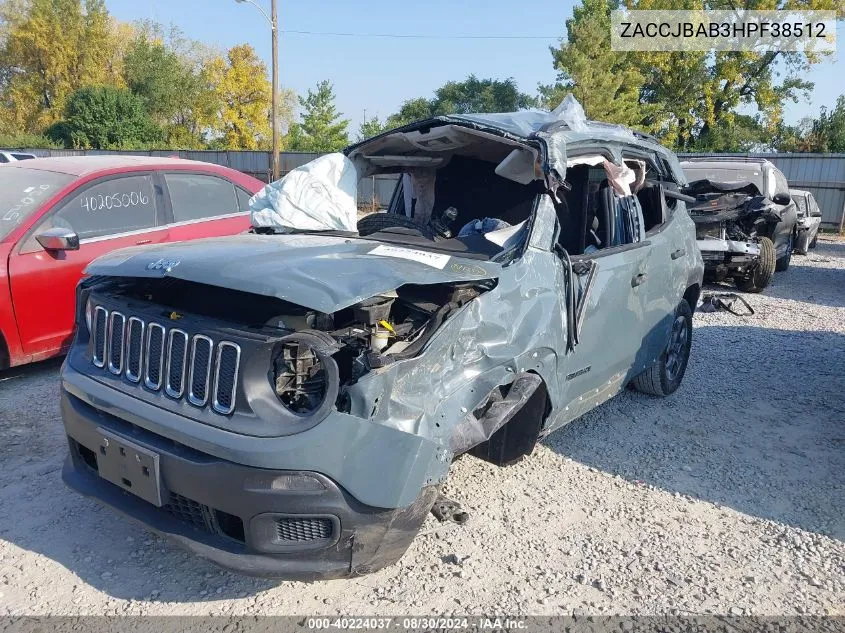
(374, 192)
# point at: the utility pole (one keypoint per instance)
(273, 20)
(274, 13)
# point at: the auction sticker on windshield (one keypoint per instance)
(431, 259)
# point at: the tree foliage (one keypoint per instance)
(371, 127)
(824, 134)
(174, 87)
(195, 95)
(721, 101)
(605, 82)
(243, 91)
(50, 48)
(104, 117)
(465, 97)
(321, 128)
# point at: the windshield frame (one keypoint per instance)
(61, 183)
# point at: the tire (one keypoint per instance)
(783, 262)
(763, 272)
(666, 373)
(813, 243)
(379, 221)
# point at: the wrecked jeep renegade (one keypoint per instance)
(287, 403)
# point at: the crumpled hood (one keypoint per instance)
(320, 272)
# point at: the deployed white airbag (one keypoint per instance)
(319, 196)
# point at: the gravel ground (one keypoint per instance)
(726, 498)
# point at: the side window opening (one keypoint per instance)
(110, 207)
(594, 216)
(200, 196)
(781, 185)
(243, 198)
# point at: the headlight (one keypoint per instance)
(305, 376)
(89, 314)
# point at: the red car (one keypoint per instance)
(58, 214)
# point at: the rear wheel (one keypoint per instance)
(783, 262)
(666, 373)
(763, 272)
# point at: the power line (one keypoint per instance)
(426, 36)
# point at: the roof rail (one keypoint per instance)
(724, 159)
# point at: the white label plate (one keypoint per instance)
(434, 260)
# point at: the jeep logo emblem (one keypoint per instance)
(164, 264)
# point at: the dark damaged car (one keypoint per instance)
(288, 403)
(746, 221)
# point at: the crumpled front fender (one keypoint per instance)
(516, 327)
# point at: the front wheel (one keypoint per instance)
(813, 243)
(761, 275)
(666, 373)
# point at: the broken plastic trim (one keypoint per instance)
(444, 509)
(495, 411)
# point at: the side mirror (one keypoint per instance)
(781, 198)
(816, 212)
(58, 239)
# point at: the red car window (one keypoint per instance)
(199, 196)
(109, 207)
(22, 191)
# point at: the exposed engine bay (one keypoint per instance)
(316, 355)
(733, 211)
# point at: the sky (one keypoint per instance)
(376, 74)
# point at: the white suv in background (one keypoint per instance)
(13, 157)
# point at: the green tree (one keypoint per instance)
(104, 117)
(825, 134)
(480, 95)
(49, 49)
(321, 129)
(465, 97)
(157, 76)
(411, 110)
(241, 117)
(606, 83)
(175, 92)
(693, 101)
(370, 127)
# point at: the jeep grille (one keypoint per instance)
(192, 367)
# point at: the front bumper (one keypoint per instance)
(728, 254)
(251, 520)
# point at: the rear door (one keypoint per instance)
(204, 205)
(671, 253)
(109, 213)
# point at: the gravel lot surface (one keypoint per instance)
(726, 498)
